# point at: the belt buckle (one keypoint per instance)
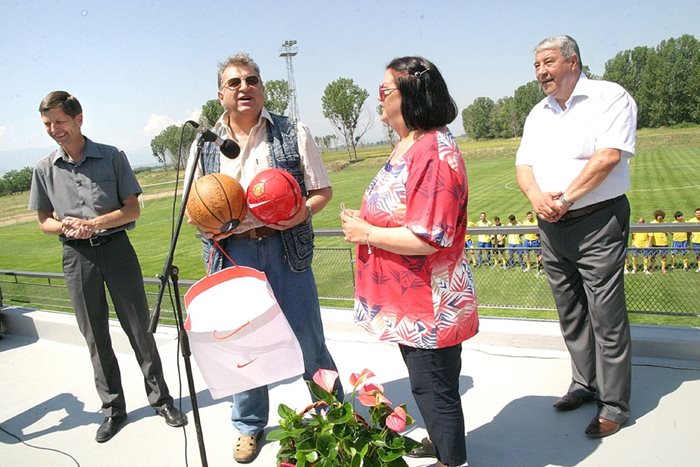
(98, 241)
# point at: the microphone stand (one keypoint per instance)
(170, 272)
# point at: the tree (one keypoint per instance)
(16, 181)
(167, 144)
(678, 80)
(505, 121)
(342, 104)
(524, 99)
(664, 81)
(630, 69)
(390, 133)
(477, 118)
(211, 111)
(277, 95)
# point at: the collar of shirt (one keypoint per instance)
(90, 150)
(223, 121)
(580, 90)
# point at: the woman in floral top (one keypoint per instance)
(414, 286)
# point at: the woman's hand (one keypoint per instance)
(354, 227)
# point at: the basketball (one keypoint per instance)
(273, 195)
(216, 203)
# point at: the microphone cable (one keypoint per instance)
(41, 448)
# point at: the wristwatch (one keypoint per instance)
(565, 202)
(309, 211)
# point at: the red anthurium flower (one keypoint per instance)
(396, 421)
(358, 379)
(372, 395)
(326, 379)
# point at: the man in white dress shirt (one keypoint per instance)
(573, 166)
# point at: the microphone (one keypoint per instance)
(228, 147)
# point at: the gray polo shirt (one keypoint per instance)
(94, 186)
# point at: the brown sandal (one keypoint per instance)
(246, 449)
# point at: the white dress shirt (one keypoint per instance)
(558, 143)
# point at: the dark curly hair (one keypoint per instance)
(426, 103)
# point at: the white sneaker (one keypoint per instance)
(647, 272)
(526, 269)
(633, 271)
(626, 271)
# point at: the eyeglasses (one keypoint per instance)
(383, 92)
(235, 83)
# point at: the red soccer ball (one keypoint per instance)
(273, 195)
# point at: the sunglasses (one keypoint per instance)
(235, 83)
(383, 92)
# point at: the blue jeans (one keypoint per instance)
(297, 296)
(483, 250)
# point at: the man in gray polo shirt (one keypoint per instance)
(87, 194)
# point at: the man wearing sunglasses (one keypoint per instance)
(282, 251)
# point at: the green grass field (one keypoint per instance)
(665, 175)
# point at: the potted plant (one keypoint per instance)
(331, 433)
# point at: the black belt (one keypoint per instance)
(260, 232)
(590, 209)
(94, 241)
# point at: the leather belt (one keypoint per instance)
(590, 209)
(94, 241)
(259, 232)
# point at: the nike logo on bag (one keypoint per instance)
(243, 365)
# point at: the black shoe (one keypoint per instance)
(110, 427)
(172, 416)
(570, 401)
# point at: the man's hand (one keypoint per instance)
(206, 234)
(299, 217)
(73, 227)
(546, 205)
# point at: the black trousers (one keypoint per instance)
(434, 376)
(87, 269)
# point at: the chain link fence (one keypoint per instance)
(503, 280)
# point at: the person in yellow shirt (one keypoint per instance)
(483, 242)
(515, 244)
(499, 243)
(680, 242)
(640, 244)
(469, 243)
(659, 240)
(695, 239)
(532, 243)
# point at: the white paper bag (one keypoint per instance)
(238, 334)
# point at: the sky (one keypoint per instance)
(140, 66)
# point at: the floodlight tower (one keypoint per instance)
(289, 50)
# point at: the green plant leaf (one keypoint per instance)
(286, 412)
(342, 414)
(277, 434)
(325, 444)
(388, 455)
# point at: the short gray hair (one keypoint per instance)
(239, 59)
(564, 44)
